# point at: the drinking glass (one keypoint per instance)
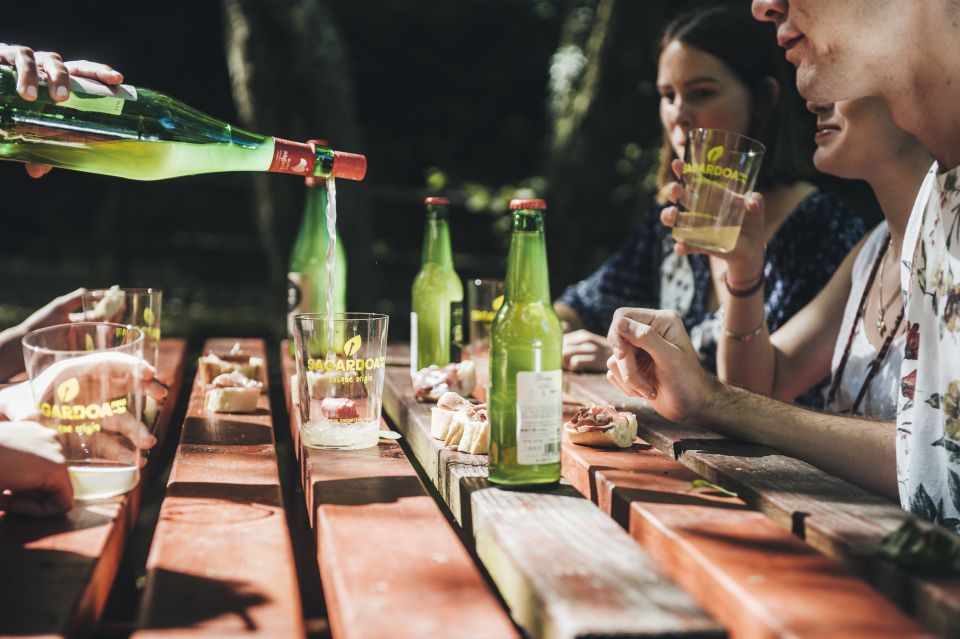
(720, 168)
(138, 307)
(340, 372)
(484, 298)
(85, 379)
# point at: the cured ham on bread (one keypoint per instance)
(460, 424)
(602, 426)
(429, 384)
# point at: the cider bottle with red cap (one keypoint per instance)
(142, 134)
(526, 382)
(436, 323)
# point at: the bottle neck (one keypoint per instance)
(436, 238)
(315, 223)
(527, 279)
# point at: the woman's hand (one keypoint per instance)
(585, 351)
(33, 475)
(32, 65)
(745, 261)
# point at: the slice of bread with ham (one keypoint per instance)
(602, 426)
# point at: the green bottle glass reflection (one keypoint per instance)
(307, 279)
(526, 382)
(141, 134)
(436, 324)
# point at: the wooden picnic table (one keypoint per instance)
(832, 516)
(409, 539)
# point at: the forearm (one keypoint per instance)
(11, 353)
(858, 450)
(749, 362)
(569, 316)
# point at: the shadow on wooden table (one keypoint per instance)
(363, 491)
(222, 598)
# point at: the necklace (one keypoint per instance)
(881, 308)
(881, 354)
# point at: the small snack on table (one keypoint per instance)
(460, 424)
(211, 366)
(432, 382)
(602, 426)
(233, 393)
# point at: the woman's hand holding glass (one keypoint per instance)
(745, 262)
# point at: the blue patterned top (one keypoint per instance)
(645, 272)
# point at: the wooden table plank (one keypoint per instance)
(833, 516)
(221, 562)
(741, 567)
(564, 568)
(390, 563)
(56, 573)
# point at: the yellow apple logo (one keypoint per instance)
(68, 390)
(352, 345)
(714, 154)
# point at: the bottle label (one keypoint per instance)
(413, 344)
(456, 331)
(298, 297)
(92, 96)
(539, 416)
(292, 157)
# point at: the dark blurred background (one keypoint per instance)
(478, 99)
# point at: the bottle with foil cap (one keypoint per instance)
(526, 382)
(307, 279)
(436, 323)
(141, 134)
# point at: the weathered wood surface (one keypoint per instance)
(833, 516)
(563, 567)
(56, 573)
(221, 563)
(390, 563)
(745, 570)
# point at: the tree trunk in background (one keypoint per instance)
(291, 78)
(609, 102)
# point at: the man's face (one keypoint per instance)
(837, 45)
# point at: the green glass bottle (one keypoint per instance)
(307, 279)
(436, 323)
(141, 134)
(526, 382)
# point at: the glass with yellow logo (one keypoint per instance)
(86, 384)
(340, 372)
(138, 307)
(719, 169)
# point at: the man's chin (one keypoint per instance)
(820, 87)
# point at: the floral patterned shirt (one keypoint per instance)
(646, 273)
(928, 419)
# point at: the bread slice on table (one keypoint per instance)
(602, 426)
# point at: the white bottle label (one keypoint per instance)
(299, 293)
(539, 416)
(413, 344)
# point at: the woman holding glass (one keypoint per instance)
(719, 69)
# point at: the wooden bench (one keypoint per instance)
(563, 567)
(221, 563)
(391, 564)
(831, 515)
(56, 573)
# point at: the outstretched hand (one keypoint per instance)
(33, 475)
